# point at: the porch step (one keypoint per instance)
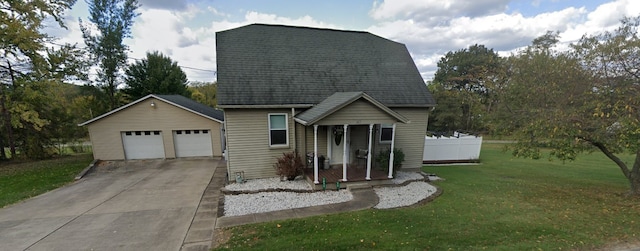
(358, 186)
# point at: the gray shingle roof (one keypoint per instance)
(337, 101)
(177, 100)
(273, 65)
(192, 105)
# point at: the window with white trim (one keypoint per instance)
(386, 133)
(278, 130)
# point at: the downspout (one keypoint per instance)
(295, 136)
(226, 155)
(306, 149)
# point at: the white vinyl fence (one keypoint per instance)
(459, 148)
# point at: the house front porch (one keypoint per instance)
(349, 119)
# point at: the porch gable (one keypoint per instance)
(349, 108)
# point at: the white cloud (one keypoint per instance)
(308, 21)
(503, 32)
(433, 11)
(164, 4)
(169, 33)
(429, 28)
(605, 17)
(216, 12)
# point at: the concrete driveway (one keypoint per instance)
(133, 205)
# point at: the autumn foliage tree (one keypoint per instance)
(580, 100)
(204, 92)
(32, 71)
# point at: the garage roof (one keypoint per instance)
(176, 100)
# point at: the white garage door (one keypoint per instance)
(143, 145)
(192, 143)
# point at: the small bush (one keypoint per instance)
(382, 158)
(289, 165)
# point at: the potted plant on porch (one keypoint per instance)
(289, 165)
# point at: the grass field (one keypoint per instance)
(21, 180)
(502, 204)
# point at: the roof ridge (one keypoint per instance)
(307, 27)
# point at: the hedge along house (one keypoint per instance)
(344, 95)
(157, 126)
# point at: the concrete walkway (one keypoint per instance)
(201, 234)
(201, 231)
(138, 205)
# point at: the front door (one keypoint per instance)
(336, 143)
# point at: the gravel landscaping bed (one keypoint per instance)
(402, 177)
(243, 204)
(253, 198)
(402, 196)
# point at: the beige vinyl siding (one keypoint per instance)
(248, 142)
(359, 140)
(410, 137)
(322, 140)
(357, 113)
(106, 133)
(248, 139)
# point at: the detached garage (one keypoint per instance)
(158, 126)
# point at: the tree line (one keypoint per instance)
(46, 88)
(584, 98)
(570, 101)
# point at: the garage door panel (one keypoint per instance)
(192, 143)
(143, 145)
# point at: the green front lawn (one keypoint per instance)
(502, 204)
(21, 180)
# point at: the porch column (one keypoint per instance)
(369, 153)
(345, 152)
(315, 154)
(393, 140)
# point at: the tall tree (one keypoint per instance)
(26, 63)
(113, 20)
(204, 92)
(156, 74)
(469, 78)
(581, 100)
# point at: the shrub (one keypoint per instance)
(289, 165)
(382, 158)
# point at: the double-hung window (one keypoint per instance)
(386, 133)
(278, 130)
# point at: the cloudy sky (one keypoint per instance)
(185, 29)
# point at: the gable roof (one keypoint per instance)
(176, 100)
(338, 101)
(276, 65)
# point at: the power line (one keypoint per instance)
(192, 68)
(138, 59)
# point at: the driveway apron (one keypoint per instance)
(141, 205)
